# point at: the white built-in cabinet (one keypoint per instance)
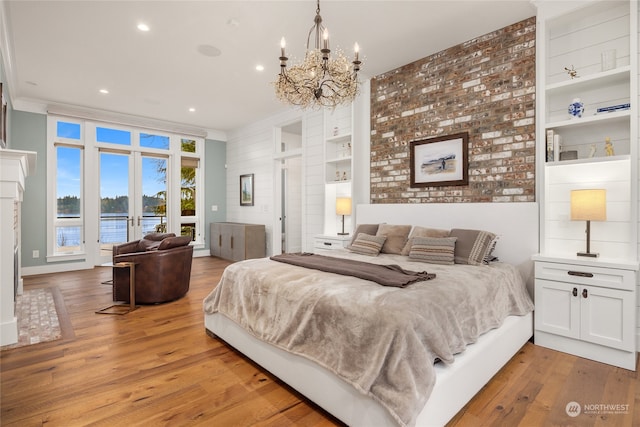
(576, 311)
(339, 165)
(346, 150)
(586, 308)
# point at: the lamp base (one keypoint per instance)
(588, 254)
(343, 234)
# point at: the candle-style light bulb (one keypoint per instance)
(356, 49)
(283, 44)
(325, 38)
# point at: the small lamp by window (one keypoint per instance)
(343, 207)
(589, 205)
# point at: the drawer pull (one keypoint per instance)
(327, 243)
(575, 292)
(584, 293)
(580, 273)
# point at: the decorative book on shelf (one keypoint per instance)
(612, 108)
(554, 142)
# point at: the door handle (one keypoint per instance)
(584, 293)
(138, 220)
(575, 292)
(131, 221)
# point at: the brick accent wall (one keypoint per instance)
(485, 87)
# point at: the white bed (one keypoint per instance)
(456, 384)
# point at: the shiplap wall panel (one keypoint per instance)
(580, 39)
(611, 237)
(314, 179)
(557, 108)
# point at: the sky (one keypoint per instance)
(114, 168)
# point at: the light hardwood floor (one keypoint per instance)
(157, 366)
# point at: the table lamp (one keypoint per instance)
(589, 205)
(343, 207)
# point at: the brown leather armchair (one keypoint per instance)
(162, 268)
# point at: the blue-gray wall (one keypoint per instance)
(215, 183)
(29, 133)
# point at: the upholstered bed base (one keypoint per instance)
(455, 385)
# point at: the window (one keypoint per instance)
(109, 184)
(188, 145)
(154, 141)
(188, 183)
(114, 136)
(68, 130)
(68, 222)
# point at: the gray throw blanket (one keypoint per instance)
(382, 340)
(385, 275)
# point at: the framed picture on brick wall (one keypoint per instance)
(440, 161)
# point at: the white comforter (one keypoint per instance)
(382, 340)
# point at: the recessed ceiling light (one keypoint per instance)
(143, 27)
(192, 110)
(260, 67)
(105, 91)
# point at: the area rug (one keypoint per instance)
(37, 318)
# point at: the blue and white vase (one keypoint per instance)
(576, 108)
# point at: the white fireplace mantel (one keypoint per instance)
(14, 167)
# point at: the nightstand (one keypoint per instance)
(587, 308)
(331, 242)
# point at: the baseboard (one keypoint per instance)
(83, 265)
(9, 332)
(55, 268)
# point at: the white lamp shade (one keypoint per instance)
(589, 205)
(343, 206)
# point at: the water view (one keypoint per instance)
(113, 229)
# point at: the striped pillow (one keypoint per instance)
(366, 244)
(434, 250)
(472, 246)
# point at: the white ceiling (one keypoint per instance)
(64, 52)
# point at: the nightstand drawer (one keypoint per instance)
(332, 242)
(586, 275)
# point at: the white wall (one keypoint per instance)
(251, 150)
(636, 46)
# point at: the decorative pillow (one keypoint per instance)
(370, 229)
(174, 242)
(472, 246)
(148, 245)
(490, 257)
(158, 237)
(366, 244)
(423, 232)
(435, 250)
(396, 237)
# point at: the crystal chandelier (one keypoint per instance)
(318, 81)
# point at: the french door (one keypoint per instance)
(133, 197)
